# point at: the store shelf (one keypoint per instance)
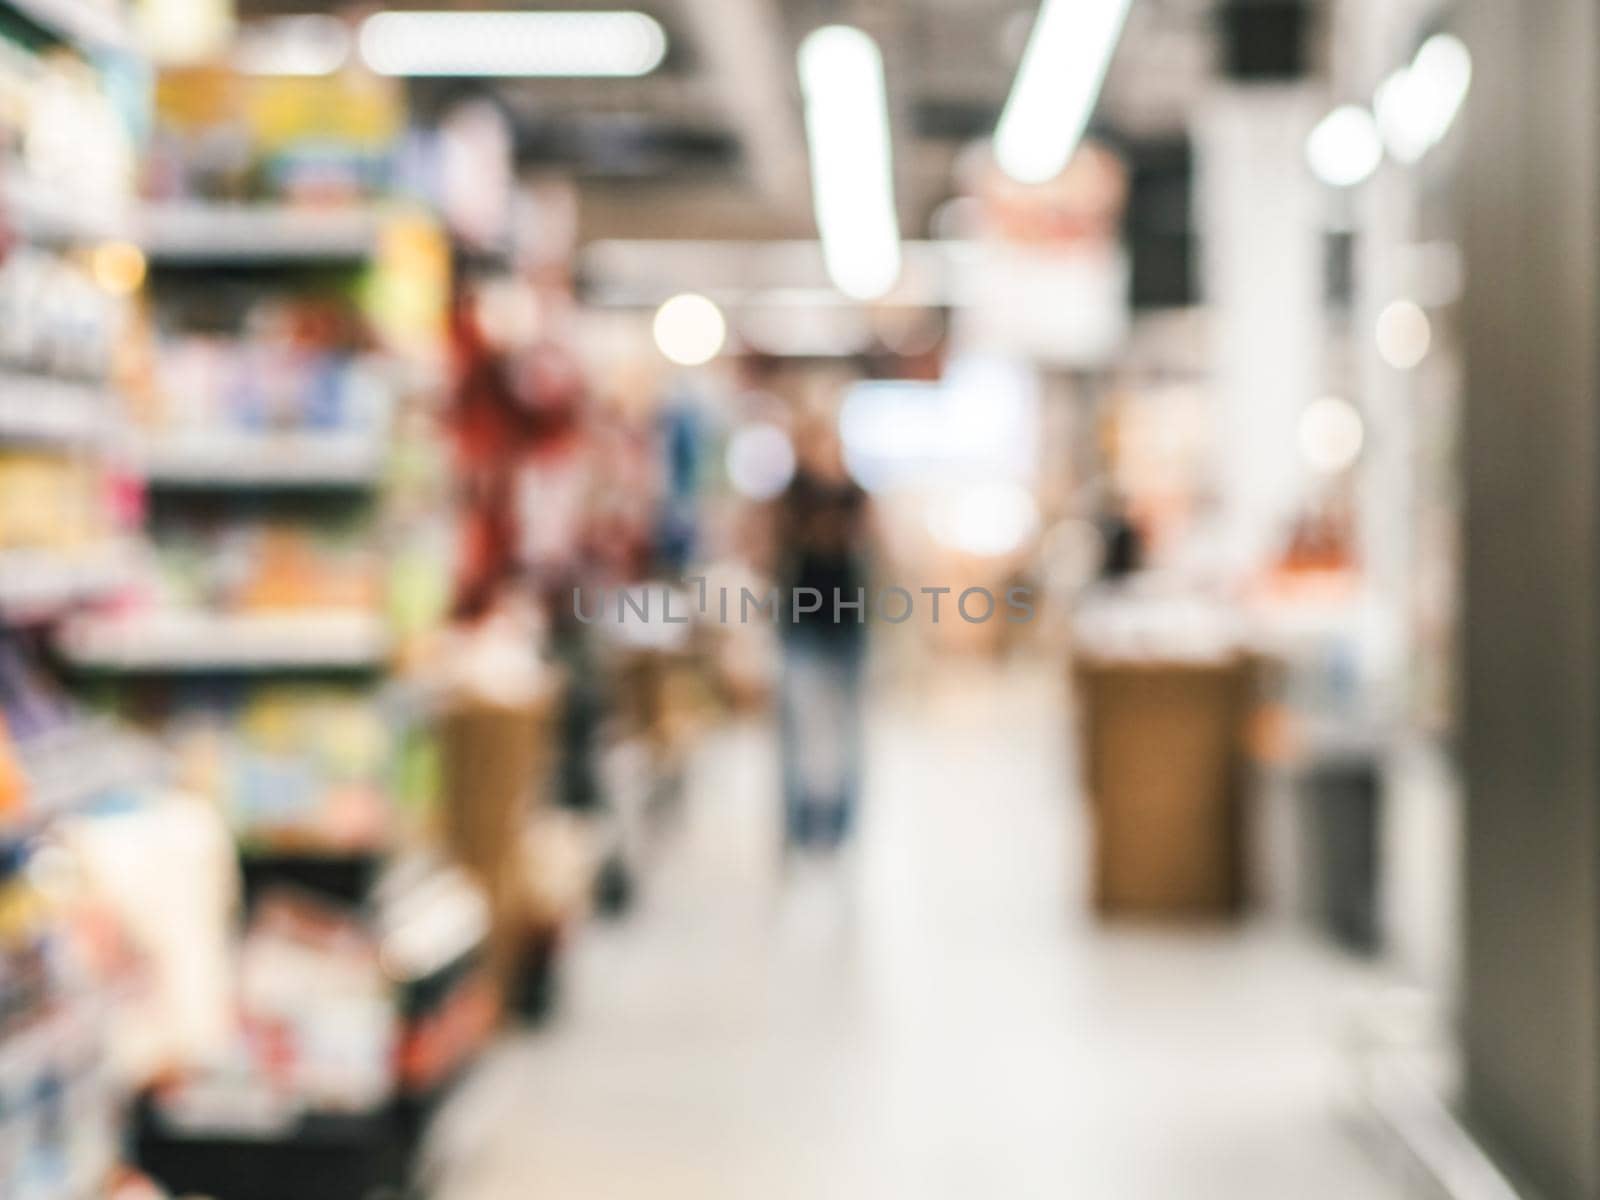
(202, 642)
(38, 408)
(207, 234)
(39, 582)
(42, 213)
(263, 460)
(82, 23)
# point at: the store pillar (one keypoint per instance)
(1259, 221)
(1531, 705)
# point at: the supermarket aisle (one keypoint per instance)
(939, 1019)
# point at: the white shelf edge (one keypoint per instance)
(47, 213)
(35, 581)
(190, 642)
(203, 232)
(39, 408)
(263, 460)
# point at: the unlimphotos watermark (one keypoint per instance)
(894, 605)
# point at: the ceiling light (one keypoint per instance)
(556, 44)
(689, 329)
(1404, 334)
(1442, 71)
(852, 171)
(1417, 104)
(1405, 136)
(312, 44)
(1057, 85)
(1330, 434)
(1344, 148)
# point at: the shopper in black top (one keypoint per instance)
(822, 543)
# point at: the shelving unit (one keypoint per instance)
(240, 470)
(64, 416)
(249, 628)
(278, 517)
(62, 548)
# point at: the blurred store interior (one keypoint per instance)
(817, 599)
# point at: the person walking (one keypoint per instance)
(822, 550)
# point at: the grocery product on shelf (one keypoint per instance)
(12, 785)
(66, 153)
(297, 766)
(55, 759)
(262, 362)
(316, 141)
(253, 387)
(47, 501)
(64, 505)
(63, 956)
(262, 566)
(56, 318)
(59, 1121)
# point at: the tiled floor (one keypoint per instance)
(935, 1017)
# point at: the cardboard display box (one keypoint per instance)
(1164, 757)
(497, 765)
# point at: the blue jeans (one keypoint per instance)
(821, 718)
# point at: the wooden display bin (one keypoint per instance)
(498, 761)
(1163, 745)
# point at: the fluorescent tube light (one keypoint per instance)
(1057, 85)
(1343, 149)
(556, 44)
(852, 169)
(1417, 104)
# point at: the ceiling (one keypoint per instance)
(711, 145)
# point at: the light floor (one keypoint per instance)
(936, 1017)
